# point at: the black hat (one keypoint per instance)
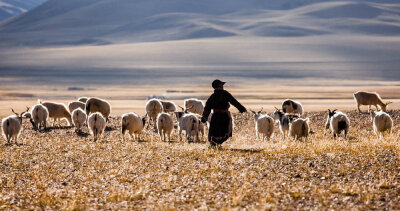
(216, 83)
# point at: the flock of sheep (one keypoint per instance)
(95, 113)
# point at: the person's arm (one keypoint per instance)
(207, 110)
(236, 103)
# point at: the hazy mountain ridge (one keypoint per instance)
(73, 22)
(10, 8)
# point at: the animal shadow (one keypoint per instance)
(108, 128)
(82, 134)
(244, 150)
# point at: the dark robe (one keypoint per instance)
(221, 120)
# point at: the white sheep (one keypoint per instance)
(132, 123)
(165, 125)
(94, 104)
(28, 115)
(168, 106)
(194, 105)
(284, 120)
(369, 99)
(292, 107)
(78, 117)
(40, 114)
(74, 105)
(299, 128)
(97, 124)
(203, 126)
(264, 125)
(337, 121)
(12, 126)
(382, 122)
(189, 123)
(57, 111)
(153, 108)
(83, 100)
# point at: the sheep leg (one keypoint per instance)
(345, 134)
(369, 108)
(358, 106)
(8, 139)
(180, 134)
(169, 137)
(133, 137)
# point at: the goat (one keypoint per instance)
(369, 99)
(264, 125)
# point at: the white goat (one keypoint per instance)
(299, 128)
(12, 126)
(153, 108)
(78, 117)
(292, 107)
(165, 125)
(83, 99)
(194, 105)
(264, 125)
(74, 105)
(40, 114)
(57, 111)
(168, 106)
(337, 121)
(369, 99)
(94, 104)
(202, 126)
(382, 122)
(132, 123)
(284, 120)
(97, 124)
(189, 123)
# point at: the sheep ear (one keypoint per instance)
(389, 103)
(253, 112)
(276, 108)
(329, 110)
(181, 108)
(334, 111)
(260, 110)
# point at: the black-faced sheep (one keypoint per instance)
(337, 121)
(292, 107)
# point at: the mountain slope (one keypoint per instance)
(76, 22)
(10, 8)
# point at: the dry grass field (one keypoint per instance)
(58, 169)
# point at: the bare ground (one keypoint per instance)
(58, 169)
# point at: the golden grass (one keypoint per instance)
(60, 170)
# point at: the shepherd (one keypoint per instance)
(221, 119)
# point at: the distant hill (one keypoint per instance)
(80, 22)
(11, 8)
